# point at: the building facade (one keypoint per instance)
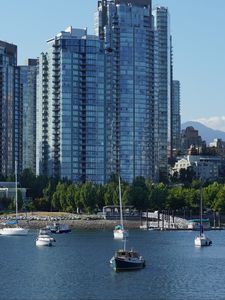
(175, 118)
(10, 111)
(71, 108)
(162, 58)
(28, 75)
(190, 137)
(208, 168)
(126, 29)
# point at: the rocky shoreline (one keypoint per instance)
(81, 224)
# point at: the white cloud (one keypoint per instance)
(213, 122)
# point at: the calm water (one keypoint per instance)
(78, 267)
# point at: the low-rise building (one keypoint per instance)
(205, 167)
(8, 190)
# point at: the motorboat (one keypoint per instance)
(44, 239)
(119, 232)
(59, 228)
(44, 231)
(125, 260)
(195, 224)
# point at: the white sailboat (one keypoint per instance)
(119, 232)
(202, 240)
(17, 230)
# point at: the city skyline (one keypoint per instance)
(103, 101)
(196, 44)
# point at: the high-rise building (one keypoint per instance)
(126, 28)
(10, 110)
(71, 108)
(175, 118)
(162, 72)
(174, 133)
(28, 75)
(191, 139)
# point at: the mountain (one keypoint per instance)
(207, 134)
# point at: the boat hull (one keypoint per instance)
(46, 243)
(59, 228)
(18, 231)
(202, 241)
(60, 231)
(127, 265)
(120, 234)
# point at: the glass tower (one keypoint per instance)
(28, 75)
(175, 118)
(126, 28)
(71, 108)
(162, 59)
(10, 110)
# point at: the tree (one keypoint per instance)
(100, 190)
(138, 194)
(186, 175)
(88, 196)
(41, 204)
(59, 197)
(48, 192)
(157, 196)
(219, 202)
(70, 198)
(109, 196)
(175, 199)
(210, 193)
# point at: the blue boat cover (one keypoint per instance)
(11, 222)
(117, 227)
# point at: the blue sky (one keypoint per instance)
(197, 26)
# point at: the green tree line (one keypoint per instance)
(55, 195)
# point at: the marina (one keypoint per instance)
(78, 267)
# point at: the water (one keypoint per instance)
(78, 267)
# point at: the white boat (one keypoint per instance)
(202, 240)
(44, 239)
(13, 231)
(17, 230)
(119, 232)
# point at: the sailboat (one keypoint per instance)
(202, 240)
(119, 232)
(17, 230)
(127, 260)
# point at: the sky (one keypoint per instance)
(197, 27)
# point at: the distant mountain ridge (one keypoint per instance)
(207, 134)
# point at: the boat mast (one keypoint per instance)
(121, 210)
(201, 226)
(16, 190)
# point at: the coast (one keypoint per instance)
(39, 220)
(81, 224)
